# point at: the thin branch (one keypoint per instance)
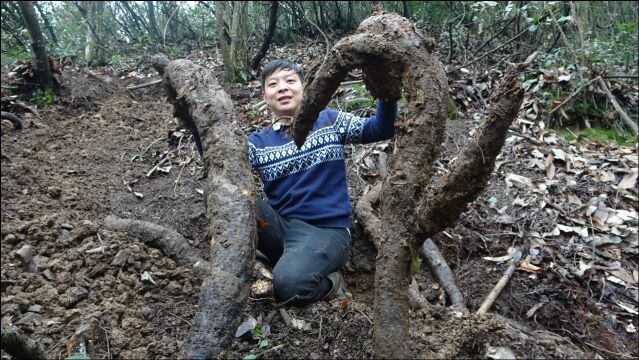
(140, 86)
(167, 24)
(328, 43)
(497, 34)
(574, 94)
(490, 299)
(489, 52)
(627, 120)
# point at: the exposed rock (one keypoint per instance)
(73, 295)
(120, 258)
(10, 239)
(85, 229)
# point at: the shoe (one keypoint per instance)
(337, 289)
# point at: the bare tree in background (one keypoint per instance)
(233, 34)
(38, 45)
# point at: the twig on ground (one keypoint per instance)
(361, 312)
(181, 318)
(490, 299)
(177, 181)
(140, 86)
(164, 159)
(626, 119)
(106, 334)
(574, 94)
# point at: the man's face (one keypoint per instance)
(283, 92)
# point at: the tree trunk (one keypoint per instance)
(138, 21)
(233, 39)
(323, 15)
(318, 20)
(338, 20)
(349, 17)
(150, 10)
(40, 56)
(94, 51)
(406, 9)
(201, 102)
(272, 24)
(46, 22)
(392, 53)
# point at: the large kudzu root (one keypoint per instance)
(394, 55)
(202, 103)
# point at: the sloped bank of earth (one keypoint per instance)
(61, 176)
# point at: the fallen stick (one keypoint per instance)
(134, 87)
(34, 111)
(164, 159)
(626, 119)
(490, 299)
(574, 94)
(443, 273)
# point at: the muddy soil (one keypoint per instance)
(88, 155)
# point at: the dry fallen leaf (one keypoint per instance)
(628, 181)
(528, 267)
(521, 182)
(573, 199)
(607, 176)
(550, 167)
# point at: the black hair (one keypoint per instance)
(280, 64)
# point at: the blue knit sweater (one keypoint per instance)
(310, 183)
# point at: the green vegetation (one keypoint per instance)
(15, 54)
(600, 135)
(42, 98)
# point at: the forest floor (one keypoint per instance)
(570, 205)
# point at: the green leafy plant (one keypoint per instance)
(42, 98)
(600, 135)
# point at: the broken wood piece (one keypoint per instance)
(18, 345)
(574, 94)
(443, 273)
(140, 86)
(17, 123)
(492, 296)
(626, 119)
(415, 298)
(286, 317)
(164, 159)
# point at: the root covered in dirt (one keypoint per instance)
(392, 55)
(201, 102)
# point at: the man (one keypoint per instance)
(303, 229)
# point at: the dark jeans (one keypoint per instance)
(302, 255)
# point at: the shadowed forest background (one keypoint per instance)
(91, 133)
